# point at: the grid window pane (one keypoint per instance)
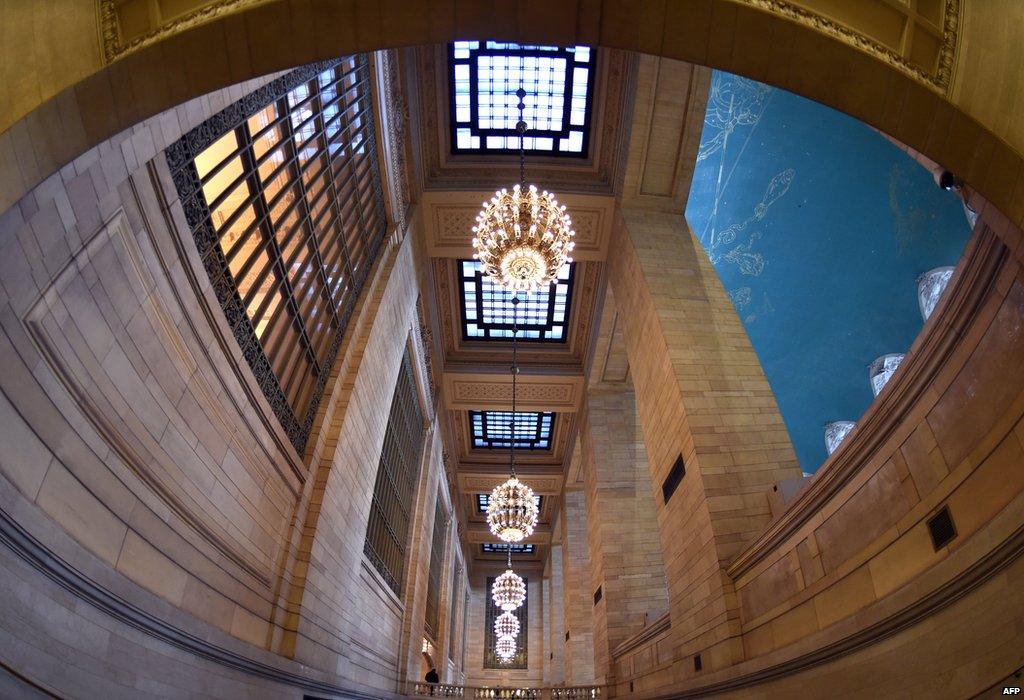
(279, 209)
(484, 78)
(528, 430)
(484, 499)
(492, 548)
(387, 532)
(491, 659)
(488, 312)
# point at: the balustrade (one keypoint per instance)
(443, 690)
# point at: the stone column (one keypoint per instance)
(554, 612)
(418, 561)
(702, 396)
(625, 547)
(577, 591)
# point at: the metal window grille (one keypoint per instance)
(497, 430)
(488, 312)
(434, 571)
(559, 84)
(387, 532)
(282, 192)
(456, 575)
(490, 658)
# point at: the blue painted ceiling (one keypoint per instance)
(818, 227)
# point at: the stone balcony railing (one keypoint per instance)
(443, 690)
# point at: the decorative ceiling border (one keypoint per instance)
(940, 81)
(110, 33)
(600, 173)
(572, 354)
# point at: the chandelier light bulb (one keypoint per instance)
(505, 649)
(512, 511)
(522, 238)
(507, 625)
(508, 591)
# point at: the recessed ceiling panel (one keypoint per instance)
(484, 78)
(488, 312)
(527, 430)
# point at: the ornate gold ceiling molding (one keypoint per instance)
(482, 392)
(116, 44)
(939, 79)
(474, 483)
(395, 114)
(478, 533)
(449, 218)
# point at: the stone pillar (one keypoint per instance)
(577, 591)
(554, 612)
(418, 561)
(702, 396)
(625, 547)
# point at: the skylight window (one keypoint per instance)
(483, 499)
(487, 309)
(484, 77)
(497, 430)
(495, 548)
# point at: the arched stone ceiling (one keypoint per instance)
(59, 80)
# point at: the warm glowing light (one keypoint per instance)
(508, 591)
(522, 238)
(507, 625)
(505, 649)
(512, 511)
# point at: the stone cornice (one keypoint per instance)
(964, 298)
(642, 637)
(997, 559)
(42, 559)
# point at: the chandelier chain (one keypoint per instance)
(521, 128)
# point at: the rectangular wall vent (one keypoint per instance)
(597, 595)
(675, 476)
(697, 665)
(941, 528)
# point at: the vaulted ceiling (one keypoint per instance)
(468, 318)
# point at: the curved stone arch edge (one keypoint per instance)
(918, 100)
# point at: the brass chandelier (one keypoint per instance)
(507, 625)
(522, 238)
(509, 590)
(505, 649)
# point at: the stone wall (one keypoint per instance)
(625, 546)
(851, 563)
(702, 396)
(139, 450)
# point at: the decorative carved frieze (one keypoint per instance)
(939, 79)
(481, 392)
(449, 218)
(396, 117)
